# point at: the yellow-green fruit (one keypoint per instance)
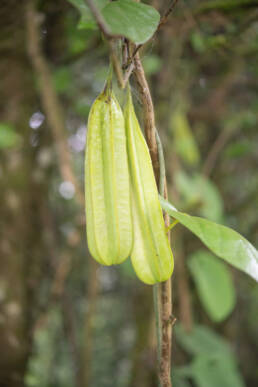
(151, 256)
(107, 191)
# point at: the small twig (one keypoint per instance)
(171, 320)
(125, 53)
(122, 81)
(164, 18)
(116, 64)
(131, 57)
(137, 48)
(162, 168)
(100, 20)
(172, 225)
(128, 73)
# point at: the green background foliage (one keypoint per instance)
(203, 76)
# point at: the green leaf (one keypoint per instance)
(63, 80)
(82, 108)
(215, 371)
(199, 189)
(8, 137)
(201, 341)
(152, 64)
(214, 362)
(214, 284)
(178, 380)
(185, 144)
(135, 21)
(239, 149)
(198, 42)
(126, 269)
(222, 241)
(87, 20)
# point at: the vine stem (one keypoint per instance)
(164, 301)
(156, 303)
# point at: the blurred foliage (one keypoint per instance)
(87, 21)
(184, 142)
(199, 191)
(213, 283)
(202, 69)
(8, 136)
(213, 362)
(135, 21)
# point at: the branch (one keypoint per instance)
(164, 18)
(128, 73)
(148, 112)
(165, 287)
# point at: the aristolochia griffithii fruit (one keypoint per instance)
(107, 190)
(151, 255)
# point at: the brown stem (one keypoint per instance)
(148, 113)
(164, 18)
(128, 73)
(165, 287)
(116, 63)
(166, 338)
(121, 78)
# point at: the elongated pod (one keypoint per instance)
(107, 192)
(151, 256)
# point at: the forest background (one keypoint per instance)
(64, 320)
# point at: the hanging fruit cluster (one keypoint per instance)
(123, 213)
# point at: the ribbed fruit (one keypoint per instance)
(151, 255)
(107, 190)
